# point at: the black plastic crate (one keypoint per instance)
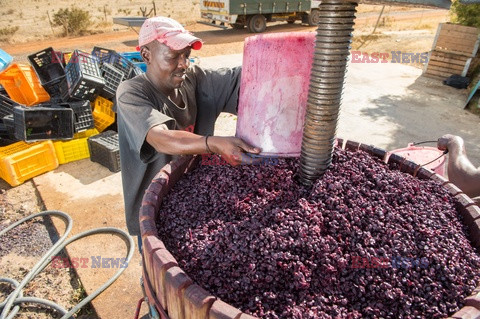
(9, 123)
(6, 106)
(118, 61)
(4, 131)
(7, 130)
(53, 89)
(82, 113)
(113, 77)
(83, 80)
(43, 123)
(104, 150)
(49, 67)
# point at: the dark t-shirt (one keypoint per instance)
(205, 93)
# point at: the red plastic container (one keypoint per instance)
(423, 155)
(274, 91)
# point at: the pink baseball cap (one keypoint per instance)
(169, 32)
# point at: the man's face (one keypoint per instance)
(167, 66)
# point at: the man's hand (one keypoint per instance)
(448, 140)
(461, 171)
(232, 149)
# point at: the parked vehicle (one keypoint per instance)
(254, 14)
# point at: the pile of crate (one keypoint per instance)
(59, 109)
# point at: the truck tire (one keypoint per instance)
(314, 17)
(257, 23)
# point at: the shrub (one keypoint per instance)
(73, 21)
(7, 32)
(466, 14)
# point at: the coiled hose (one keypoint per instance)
(10, 307)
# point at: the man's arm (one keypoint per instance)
(461, 171)
(177, 142)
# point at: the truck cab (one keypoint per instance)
(254, 14)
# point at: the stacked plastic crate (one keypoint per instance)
(59, 105)
(115, 68)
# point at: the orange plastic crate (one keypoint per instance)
(21, 161)
(22, 85)
(103, 115)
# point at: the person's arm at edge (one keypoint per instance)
(461, 171)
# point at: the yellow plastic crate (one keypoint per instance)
(87, 133)
(67, 56)
(103, 115)
(21, 161)
(22, 85)
(76, 149)
(73, 150)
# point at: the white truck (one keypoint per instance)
(254, 14)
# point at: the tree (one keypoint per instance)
(466, 14)
(73, 21)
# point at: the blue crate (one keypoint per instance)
(132, 56)
(141, 65)
(136, 59)
(5, 60)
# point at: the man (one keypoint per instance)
(461, 171)
(171, 110)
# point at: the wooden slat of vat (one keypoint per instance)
(471, 217)
(176, 282)
(474, 299)
(150, 245)
(198, 302)
(352, 146)
(467, 312)
(162, 262)
(452, 189)
(475, 233)
(222, 310)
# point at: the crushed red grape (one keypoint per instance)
(255, 238)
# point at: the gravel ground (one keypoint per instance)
(21, 248)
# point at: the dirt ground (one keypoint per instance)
(401, 29)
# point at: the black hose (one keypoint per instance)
(16, 297)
